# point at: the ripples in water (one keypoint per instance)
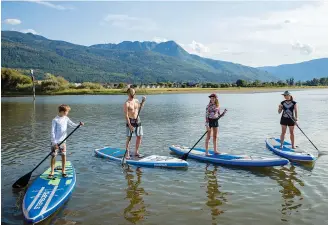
(202, 194)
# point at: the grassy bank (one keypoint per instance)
(165, 91)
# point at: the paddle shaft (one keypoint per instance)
(197, 142)
(307, 138)
(23, 181)
(185, 156)
(302, 132)
(123, 159)
(58, 146)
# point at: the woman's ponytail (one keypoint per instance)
(217, 102)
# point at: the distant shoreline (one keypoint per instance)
(153, 91)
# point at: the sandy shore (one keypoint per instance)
(232, 90)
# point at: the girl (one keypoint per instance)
(289, 108)
(212, 123)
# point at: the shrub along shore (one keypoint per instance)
(14, 83)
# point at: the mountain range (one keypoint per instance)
(303, 71)
(133, 62)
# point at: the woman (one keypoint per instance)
(212, 116)
(288, 117)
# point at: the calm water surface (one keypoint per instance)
(202, 194)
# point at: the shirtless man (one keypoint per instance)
(133, 124)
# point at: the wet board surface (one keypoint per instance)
(44, 196)
(298, 154)
(117, 154)
(228, 159)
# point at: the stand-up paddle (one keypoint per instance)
(23, 181)
(320, 153)
(185, 156)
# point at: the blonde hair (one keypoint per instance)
(131, 91)
(217, 102)
(64, 108)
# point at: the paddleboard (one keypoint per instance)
(44, 196)
(117, 154)
(273, 144)
(228, 159)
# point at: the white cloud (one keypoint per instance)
(51, 5)
(159, 40)
(308, 23)
(130, 23)
(303, 48)
(271, 33)
(29, 31)
(12, 21)
(196, 48)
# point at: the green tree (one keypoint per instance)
(120, 85)
(241, 83)
(53, 83)
(290, 81)
(11, 78)
(298, 83)
(90, 85)
(257, 83)
(281, 83)
(323, 81)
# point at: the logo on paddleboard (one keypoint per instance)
(42, 199)
(160, 165)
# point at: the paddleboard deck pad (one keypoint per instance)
(227, 159)
(44, 196)
(117, 154)
(273, 144)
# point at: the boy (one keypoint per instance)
(58, 134)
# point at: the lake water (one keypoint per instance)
(202, 194)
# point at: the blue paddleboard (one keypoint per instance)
(117, 154)
(44, 196)
(227, 159)
(273, 144)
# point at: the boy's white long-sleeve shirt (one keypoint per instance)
(59, 128)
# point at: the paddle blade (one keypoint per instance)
(184, 156)
(322, 153)
(123, 161)
(23, 181)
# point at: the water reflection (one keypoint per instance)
(291, 195)
(136, 210)
(33, 121)
(215, 197)
(22, 149)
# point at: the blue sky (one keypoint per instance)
(253, 33)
